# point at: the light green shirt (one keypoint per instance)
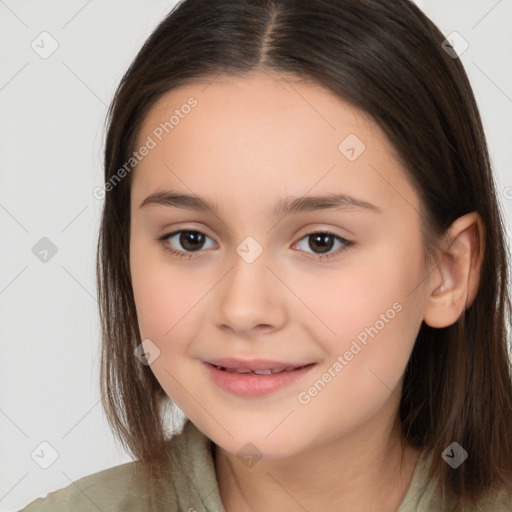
(192, 486)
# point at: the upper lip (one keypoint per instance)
(254, 364)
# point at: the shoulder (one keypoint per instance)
(491, 501)
(497, 501)
(189, 483)
(426, 494)
(120, 488)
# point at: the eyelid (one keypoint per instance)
(319, 229)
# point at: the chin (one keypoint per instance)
(245, 444)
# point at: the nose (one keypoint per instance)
(250, 298)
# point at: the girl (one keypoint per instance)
(301, 247)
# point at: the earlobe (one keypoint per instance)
(454, 283)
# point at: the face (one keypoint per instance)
(335, 288)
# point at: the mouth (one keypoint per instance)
(256, 378)
(266, 371)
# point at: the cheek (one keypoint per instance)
(162, 291)
(342, 303)
(165, 310)
(168, 303)
(367, 314)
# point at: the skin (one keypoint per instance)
(249, 142)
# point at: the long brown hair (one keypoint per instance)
(386, 58)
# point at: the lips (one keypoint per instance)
(257, 366)
(256, 378)
(267, 371)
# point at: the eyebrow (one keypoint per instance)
(285, 206)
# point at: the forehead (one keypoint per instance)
(258, 97)
(262, 133)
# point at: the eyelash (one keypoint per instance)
(318, 257)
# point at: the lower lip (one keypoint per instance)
(251, 384)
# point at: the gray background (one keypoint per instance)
(51, 133)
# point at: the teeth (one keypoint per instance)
(257, 372)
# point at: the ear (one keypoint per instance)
(457, 275)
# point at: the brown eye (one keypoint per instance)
(322, 242)
(191, 240)
(185, 242)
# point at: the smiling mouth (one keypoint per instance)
(256, 378)
(268, 371)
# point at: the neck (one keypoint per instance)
(353, 472)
